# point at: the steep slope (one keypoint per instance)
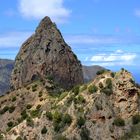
(6, 67)
(90, 72)
(46, 54)
(104, 109)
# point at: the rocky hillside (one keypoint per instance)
(90, 72)
(105, 109)
(46, 54)
(6, 67)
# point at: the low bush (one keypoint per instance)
(10, 124)
(80, 121)
(29, 122)
(136, 119)
(100, 72)
(49, 115)
(92, 89)
(14, 99)
(67, 119)
(76, 90)
(79, 100)
(19, 138)
(119, 122)
(29, 106)
(12, 109)
(44, 130)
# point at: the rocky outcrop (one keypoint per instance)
(46, 54)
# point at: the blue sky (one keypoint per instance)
(101, 32)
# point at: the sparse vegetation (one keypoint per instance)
(40, 94)
(80, 121)
(100, 72)
(108, 89)
(34, 88)
(85, 134)
(44, 130)
(49, 115)
(35, 113)
(12, 109)
(92, 89)
(79, 100)
(19, 138)
(119, 122)
(67, 119)
(29, 106)
(136, 119)
(10, 124)
(14, 99)
(29, 122)
(76, 90)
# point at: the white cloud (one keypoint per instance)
(137, 12)
(13, 39)
(38, 9)
(119, 57)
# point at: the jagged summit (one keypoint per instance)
(44, 24)
(45, 54)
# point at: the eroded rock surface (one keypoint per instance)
(46, 54)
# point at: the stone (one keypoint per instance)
(46, 54)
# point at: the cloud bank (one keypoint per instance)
(117, 58)
(38, 9)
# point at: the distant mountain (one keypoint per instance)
(6, 67)
(89, 72)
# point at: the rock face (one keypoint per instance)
(46, 54)
(6, 67)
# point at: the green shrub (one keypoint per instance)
(5, 109)
(85, 134)
(29, 122)
(29, 106)
(14, 99)
(136, 119)
(119, 122)
(12, 109)
(35, 113)
(19, 138)
(10, 124)
(107, 91)
(100, 72)
(80, 121)
(1, 137)
(76, 90)
(44, 130)
(40, 94)
(38, 107)
(109, 83)
(79, 100)
(34, 88)
(57, 117)
(112, 74)
(24, 114)
(67, 119)
(49, 115)
(58, 126)
(92, 89)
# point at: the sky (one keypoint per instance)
(100, 32)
